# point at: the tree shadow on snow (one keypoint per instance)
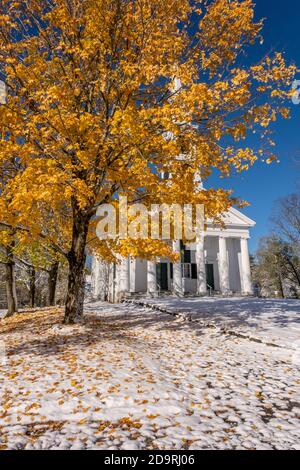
(46, 336)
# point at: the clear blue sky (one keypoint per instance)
(262, 185)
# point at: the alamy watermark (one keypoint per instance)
(158, 222)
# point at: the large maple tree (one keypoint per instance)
(103, 95)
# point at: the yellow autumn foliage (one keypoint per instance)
(104, 95)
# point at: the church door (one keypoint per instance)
(210, 276)
(162, 275)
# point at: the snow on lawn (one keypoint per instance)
(271, 320)
(133, 378)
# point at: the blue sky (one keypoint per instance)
(262, 185)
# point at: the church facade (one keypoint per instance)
(219, 263)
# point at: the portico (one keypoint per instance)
(218, 262)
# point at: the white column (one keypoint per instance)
(97, 279)
(245, 268)
(94, 277)
(177, 274)
(152, 288)
(116, 283)
(201, 270)
(123, 278)
(112, 283)
(100, 279)
(223, 267)
(132, 275)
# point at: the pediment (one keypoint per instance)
(235, 217)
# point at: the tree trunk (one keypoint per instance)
(32, 290)
(295, 271)
(281, 286)
(76, 259)
(52, 281)
(10, 279)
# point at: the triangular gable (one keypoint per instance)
(235, 217)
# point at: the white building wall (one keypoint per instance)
(141, 275)
(211, 248)
(233, 247)
(190, 286)
(132, 268)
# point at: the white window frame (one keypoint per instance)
(183, 272)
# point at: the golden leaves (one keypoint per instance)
(75, 384)
(225, 28)
(13, 376)
(92, 110)
(152, 416)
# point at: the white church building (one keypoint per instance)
(219, 263)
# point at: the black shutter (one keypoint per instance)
(194, 271)
(187, 256)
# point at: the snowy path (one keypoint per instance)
(271, 320)
(132, 378)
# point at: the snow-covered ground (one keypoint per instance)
(271, 320)
(134, 378)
